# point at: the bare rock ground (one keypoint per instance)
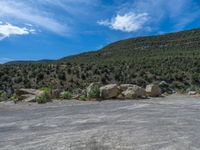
(170, 123)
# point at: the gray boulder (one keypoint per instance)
(109, 91)
(153, 90)
(134, 92)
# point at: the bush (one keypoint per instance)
(3, 96)
(14, 98)
(42, 99)
(45, 96)
(94, 92)
(178, 85)
(198, 90)
(47, 92)
(66, 95)
(83, 98)
(46, 89)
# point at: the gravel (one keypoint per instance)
(170, 123)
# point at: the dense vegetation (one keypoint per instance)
(174, 58)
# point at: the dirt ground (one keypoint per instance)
(170, 123)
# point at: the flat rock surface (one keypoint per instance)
(170, 123)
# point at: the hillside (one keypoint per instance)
(169, 44)
(173, 57)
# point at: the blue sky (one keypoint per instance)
(51, 29)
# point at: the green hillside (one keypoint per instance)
(174, 58)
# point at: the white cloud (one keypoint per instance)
(57, 16)
(174, 11)
(27, 11)
(129, 22)
(7, 30)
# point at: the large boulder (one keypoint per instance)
(109, 91)
(134, 92)
(153, 90)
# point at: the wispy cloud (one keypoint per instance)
(57, 16)
(129, 22)
(7, 30)
(28, 12)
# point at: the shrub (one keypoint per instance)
(14, 98)
(42, 99)
(198, 90)
(46, 89)
(94, 92)
(45, 96)
(178, 85)
(3, 96)
(66, 95)
(83, 98)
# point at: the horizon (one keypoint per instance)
(69, 30)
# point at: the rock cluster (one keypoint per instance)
(94, 91)
(128, 91)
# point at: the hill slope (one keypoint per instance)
(169, 44)
(174, 58)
